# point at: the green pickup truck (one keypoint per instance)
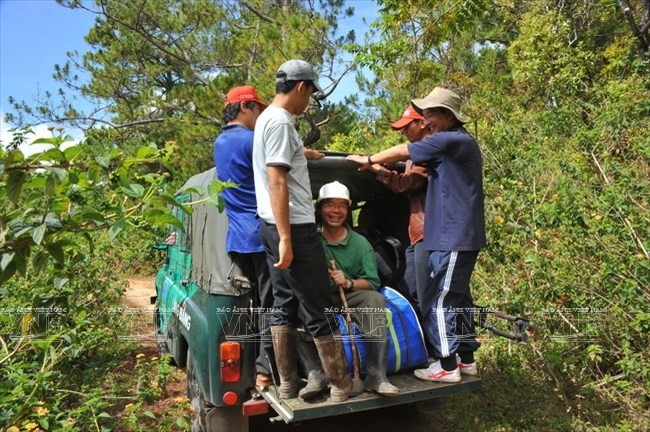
(203, 314)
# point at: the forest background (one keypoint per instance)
(558, 93)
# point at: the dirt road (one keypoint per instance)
(139, 310)
(137, 298)
(139, 291)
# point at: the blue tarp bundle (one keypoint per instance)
(406, 348)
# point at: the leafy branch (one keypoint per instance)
(55, 198)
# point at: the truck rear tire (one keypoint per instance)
(207, 417)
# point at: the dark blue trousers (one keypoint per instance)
(417, 273)
(446, 304)
(416, 277)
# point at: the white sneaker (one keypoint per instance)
(436, 373)
(467, 368)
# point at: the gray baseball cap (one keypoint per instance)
(297, 70)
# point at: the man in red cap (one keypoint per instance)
(233, 157)
(414, 183)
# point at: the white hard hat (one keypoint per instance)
(334, 190)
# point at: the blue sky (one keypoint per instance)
(36, 34)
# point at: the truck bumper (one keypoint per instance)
(412, 390)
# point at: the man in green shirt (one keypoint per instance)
(353, 268)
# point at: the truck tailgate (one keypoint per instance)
(412, 390)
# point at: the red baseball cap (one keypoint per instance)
(409, 115)
(244, 93)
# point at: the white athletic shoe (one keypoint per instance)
(436, 373)
(467, 368)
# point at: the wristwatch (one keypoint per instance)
(350, 285)
(370, 162)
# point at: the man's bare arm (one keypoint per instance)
(313, 154)
(394, 154)
(279, 194)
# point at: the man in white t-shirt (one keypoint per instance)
(288, 232)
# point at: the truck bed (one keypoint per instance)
(412, 390)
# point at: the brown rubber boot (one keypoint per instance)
(376, 380)
(285, 339)
(310, 363)
(331, 355)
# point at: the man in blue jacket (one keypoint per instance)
(454, 230)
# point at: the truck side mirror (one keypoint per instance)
(169, 241)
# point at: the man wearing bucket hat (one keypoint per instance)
(454, 230)
(233, 157)
(288, 232)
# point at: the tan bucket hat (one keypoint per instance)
(440, 97)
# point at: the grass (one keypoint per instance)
(514, 397)
(519, 393)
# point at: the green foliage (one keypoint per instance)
(559, 97)
(151, 376)
(55, 199)
(176, 418)
(545, 61)
(559, 101)
(55, 333)
(362, 139)
(65, 216)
